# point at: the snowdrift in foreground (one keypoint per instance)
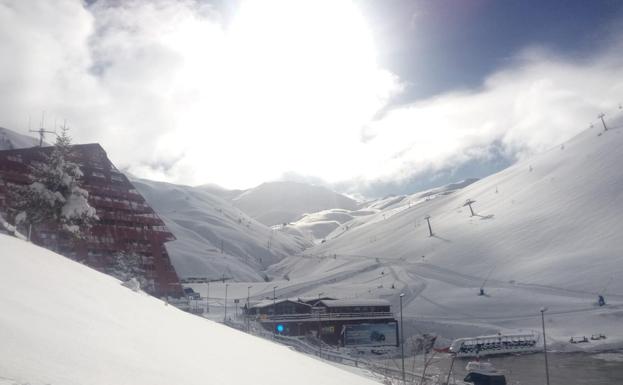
(62, 323)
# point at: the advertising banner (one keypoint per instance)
(381, 334)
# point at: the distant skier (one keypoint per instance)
(601, 300)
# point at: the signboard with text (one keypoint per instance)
(381, 334)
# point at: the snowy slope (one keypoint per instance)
(331, 223)
(214, 237)
(547, 232)
(65, 324)
(204, 222)
(11, 139)
(275, 203)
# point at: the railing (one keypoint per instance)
(323, 316)
(342, 358)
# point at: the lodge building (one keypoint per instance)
(127, 223)
(338, 322)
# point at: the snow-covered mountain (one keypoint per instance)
(319, 226)
(276, 203)
(546, 232)
(214, 238)
(64, 323)
(11, 139)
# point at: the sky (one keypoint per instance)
(370, 97)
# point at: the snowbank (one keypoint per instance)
(62, 323)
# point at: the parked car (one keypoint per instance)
(191, 294)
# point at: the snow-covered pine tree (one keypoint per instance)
(55, 195)
(127, 266)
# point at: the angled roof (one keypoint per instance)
(311, 300)
(355, 302)
(269, 302)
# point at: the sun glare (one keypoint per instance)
(285, 82)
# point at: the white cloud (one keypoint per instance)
(538, 102)
(173, 94)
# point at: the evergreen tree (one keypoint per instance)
(130, 265)
(55, 196)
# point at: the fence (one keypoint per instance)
(328, 353)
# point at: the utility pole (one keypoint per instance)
(543, 310)
(226, 285)
(208, 298)
(248, 308)
(402, 342)
(430, 230)
(319, 328)
(450, 371)
(601, 116)
(274, 310)
(469, 203)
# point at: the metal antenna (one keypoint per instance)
(42, 131)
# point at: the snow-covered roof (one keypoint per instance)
(269, 302)
(313, 299)
(355, 302)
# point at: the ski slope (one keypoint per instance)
(275, 203)
(547, 232)
(62, 323)
(11, 139)
(213, 237)
(319, 226)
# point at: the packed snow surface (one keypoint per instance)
(62, 323)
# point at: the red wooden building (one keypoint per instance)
(127, 223)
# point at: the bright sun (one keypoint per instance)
(287, 86)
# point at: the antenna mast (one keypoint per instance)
(42, 131)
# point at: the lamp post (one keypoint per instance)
(543, 310)
(208, 298)
(248, 306)
(225, 318)
(274, 310)
(402, 342)
(319, 328)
